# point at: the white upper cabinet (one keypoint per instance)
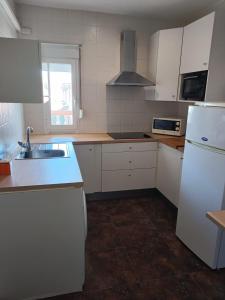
(197, 45)
(164, 64)
(20, 76)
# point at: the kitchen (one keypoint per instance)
(132, 177)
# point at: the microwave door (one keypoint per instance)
(167, 125)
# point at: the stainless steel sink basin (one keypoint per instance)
(42, 151)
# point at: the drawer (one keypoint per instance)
(128, 179)
(127, 147)
(129, 160)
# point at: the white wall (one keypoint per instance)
(183, 109)
(105, 109)
(11, 115)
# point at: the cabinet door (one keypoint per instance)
(168, 64)
(169, 172)
(21, 80)
(197, 45)
(89, 158)
(164, 64)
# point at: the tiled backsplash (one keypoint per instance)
(11, 115)
(105, 108)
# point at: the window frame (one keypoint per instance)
(75, 73)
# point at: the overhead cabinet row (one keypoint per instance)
(178, 51)
(199, 46)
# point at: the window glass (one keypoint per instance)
(57, 86)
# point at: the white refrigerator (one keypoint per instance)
(203, 184)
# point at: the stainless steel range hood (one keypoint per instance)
(128, 63)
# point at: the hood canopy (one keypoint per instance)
(128, 60)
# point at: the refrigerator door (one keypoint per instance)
(206, 125)
(202, 190)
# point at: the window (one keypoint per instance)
(60, 76)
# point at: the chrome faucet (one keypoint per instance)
(27, 145)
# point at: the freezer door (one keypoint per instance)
(202, 190)
(206, 125)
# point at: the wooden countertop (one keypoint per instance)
(85, 138)
(35, 174)
(171, 141)
(218, 217)
(104, 138)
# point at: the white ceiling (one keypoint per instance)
(163, 9)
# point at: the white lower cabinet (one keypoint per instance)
(89, 159)
(169, 168)
(42, 249)
(128, 166)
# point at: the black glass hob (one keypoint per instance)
(128, 135)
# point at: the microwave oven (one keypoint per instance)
(169, 126)
(193, 86)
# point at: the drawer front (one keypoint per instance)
(82, 148)
(143, 160)
(143, 178)
(128, 179)
(127, 147)
(129, 160)
(116, 180)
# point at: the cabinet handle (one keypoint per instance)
(173, 96)
(205, 64)
(129, 175)
(130, 161)
(130, 148)
(90, 149)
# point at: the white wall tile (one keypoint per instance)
(105, 108)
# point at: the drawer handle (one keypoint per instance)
(130, 147)
(90, 149)
(129, 175)
(130, 161)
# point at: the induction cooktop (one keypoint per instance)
(128, 135)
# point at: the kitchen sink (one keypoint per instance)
(42, 151)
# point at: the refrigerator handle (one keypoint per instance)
(206, 147)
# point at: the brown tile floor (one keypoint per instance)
(132, 253)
